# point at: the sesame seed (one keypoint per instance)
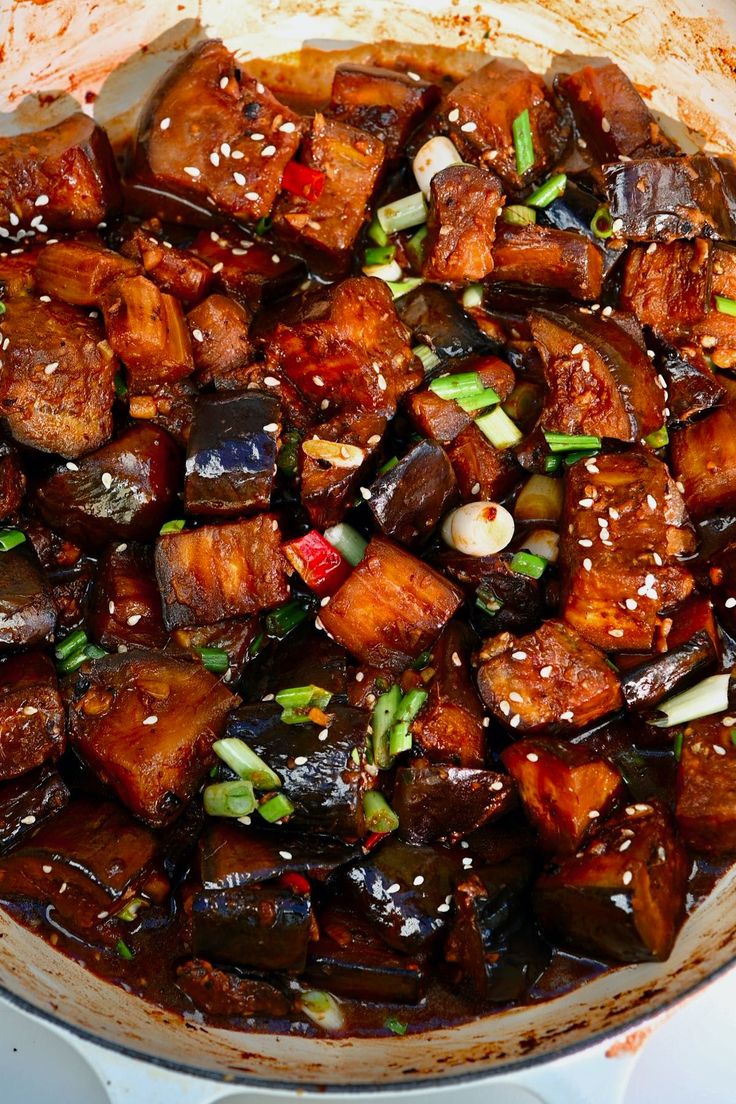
(257, 137)
(323, 735)
(456, 660)
(413, 76)
(607, 312)
(468, 128)
(617, 224)
(244, 820)
(567, 715)
(225, 149)
(515, 721)
(324, 601)
(44, 298)
(215, 159)
(593, 814)
(270, 381)
(268, 151)
(605, 125)
(649, 580)
(625, 845)
(631, 604)
(72, 466)
(218, 267)
(546, 672)
(718, 749)
(198, 335)
(275, 258)
(29, 710)
(365, 493)
(287, 128)
(453, 115)
(514, 696)
(51, 368)
(150, 720)
(224, 81)
(252, 196)
(192, 170)
(444, 907)
(504, 707)
(271, 427)
(475, 488)
(730, 603)
(467, 862)
(102, 915)
(532, 757)
(585, 365)
(28, 820)
(588, 564)
(46, 869)
(585, 543)
(111, 607)
(617, 633)
(651, 502)
(419, 880)
(121, 548)
(239, 178)
(628, 877)
(518, 655)
(318, 381)
(576, 349)
(42, 201)
(661, 854)
(134, 619)
(497, 785)
(382, 385)
(586, 503)
(260, 89)
(106, 480)
(394, 888)
(15, 221)
(728, 721)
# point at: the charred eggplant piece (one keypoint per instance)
(25, 803)
(27, 610)
(505, 599)
(666, 285)
(322, 229)
(126, 606)
(221, 993)
(692, 388)
(231, 457)
(220, 571)
(409, 918)
(623, 898)
(540, 256)
(409, 499)
(219, 328)
(610, 115)
(449, 728)
(260, 928)
(147, 330)
(551, 679)
(662, 198)
(436, 319)
(465, 202)
(332, 463)
(124, 491)
(233, 637)
(433, 802)
(482, 471)
(564, 788)
(492, 98)
(645, 686)
(56, 388)
(145, 724)
(86, 862)
(384, 102)
(71, 164)
(250, 271)
(607, 387)
(391, 608)
(31, 714)
(206, 103)
(706, 786)
(576, 210)
(613, 592)
(704, 461)
(77, 272)
(326, 790)
(176, 272)
(232, 856)
(499, 954)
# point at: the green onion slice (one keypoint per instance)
(481, 401)
(403, 287)
(377, 234)
(551, 189)
(378, 814)
(280, 622)
(473, 296)
(498, 428)
(276, 808)
(461, 385)
(129, 912)
(707, 697)
(124, 950)
(570, 442)
(395, 1026)
(214, 659)
(384, 714)
(175, 526)
(415, 247)
(244, 761)
(521, 129)
(602, 224)
(428, 357)
(725, 305)
(516, 214)
(11, 538)
(347, 541)
(229, 799)
(379, 254)
(72, 643)
(527, 563)
(402, 214)
(659, 438)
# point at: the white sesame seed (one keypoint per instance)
(515, 696)
(627, 878)
(28, 820)
(323, 735)
(287, 128)
(453, 115)
(625, 845)
(102, 915)
(257, 137)
(15, 221)
(218, 267)
(730, 603)
(605, 125)
(192, 170)
(412, 75)
(419, 880)
(497, 785)
(718, 749)
(150, 720)
(239, 178)
(444, 907)
(546, 672)
(260, 89)
(44, 298)
(42, 201)
(51, 368)
(29, 710)
(275, 258)
(394, 888)
(198, 335)
(268, 151)
(271, 427)
(617, 224)
(324, 601)
(532, 757)
(588, 564)
(134, 619)
(121, 548)
(468, 128)
(106, 480)
(224, 81)
(632, 604)
(46, 869)
(607, 312)
(270, 381)
(617, 633)
(456, 660)
(504, 707)
(244, 820)
(365, 493)
(252, 196)
(567, 715)
(318, 381)
(593, 814)
(225, 149)
(586, 503)
(467, 862)
(518, 655)
(585, 543)
(515, 721)
(651, 502)
(576, 349)
(215, 159)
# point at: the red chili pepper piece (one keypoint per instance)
(374, 838)
(296, 882)
(303, 181)
(320, 565)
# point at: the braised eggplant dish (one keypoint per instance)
(368, 547)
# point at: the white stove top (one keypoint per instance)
(691, 1057)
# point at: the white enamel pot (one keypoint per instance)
(565, 1050)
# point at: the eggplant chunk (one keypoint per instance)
(249, 271)
(384, 102)
(77, 272)
(613, 592)
(231, 856)
(18, 273)
(704, 461)
(326, 790)
(350, 960)
(647, 685)
(125, 606)
(31, 714)
(444, 419)
(706, 786)
(514, 601)
(56, 384)
(666, 285)
(219, 327)
(391, 608)
(433, 802)
(260, 928)
(491, 98)
(552, 679)
(346, 344)
(147, 329)
(233, 637)
(662, 198)
(323, 229)
(692, 387)
(205, 110)
(449, 728)
(409, 918)
(219, 571)
(498, 952)
(623, 896)
(12, 480)
(27, 609)
(482, 471)
(86, 862)
(610, 115)
(409, 499)
(606, 387)
(220, 993)
(25, 803)
(329, 478)
(71, 164)
(437, 319)
(564, 788)
(145, 724)
(540, 256)
(124, 491)
(177, 272)
(231, 456)
(465, 202)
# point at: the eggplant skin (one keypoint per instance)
(435, 801)
(27, 610)
(646, 686)
(261, 928)
(409, 499)
(26, 802)
(222, 993)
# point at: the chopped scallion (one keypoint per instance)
(400, 739)
(2, 309)
(256, 644)
(487, 600)
(388, 465)
(396, 1026)
(461, 385)
(403, 287)
(707, 697)
(129, 912)
(422, 661)
(376, 233)
(410, 705)
(246, 764)
(263, 226)
(571, 458)
(527, 563)
(72, 643)
(378, 814)
(11, 538)
(384, 714)
(348, 542)
(297, 703)
(120, 386)
(428, 357)
(280, 622)
(551, 189)
(379, 254)
(570, 442)
(521, 129)
(71, 663)
(659, 438)
(276, 808)
(485, 398)
(473, 296)
(498, 428)
(124, 950)
(287, 460)
(229, 799)
(214, 659)
(322, 1008)
(725, 305)
(516, 214)
(93, 651)
(677, 744)
(403, 213)
(415, 247)
(602, 224)
(175, 526)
